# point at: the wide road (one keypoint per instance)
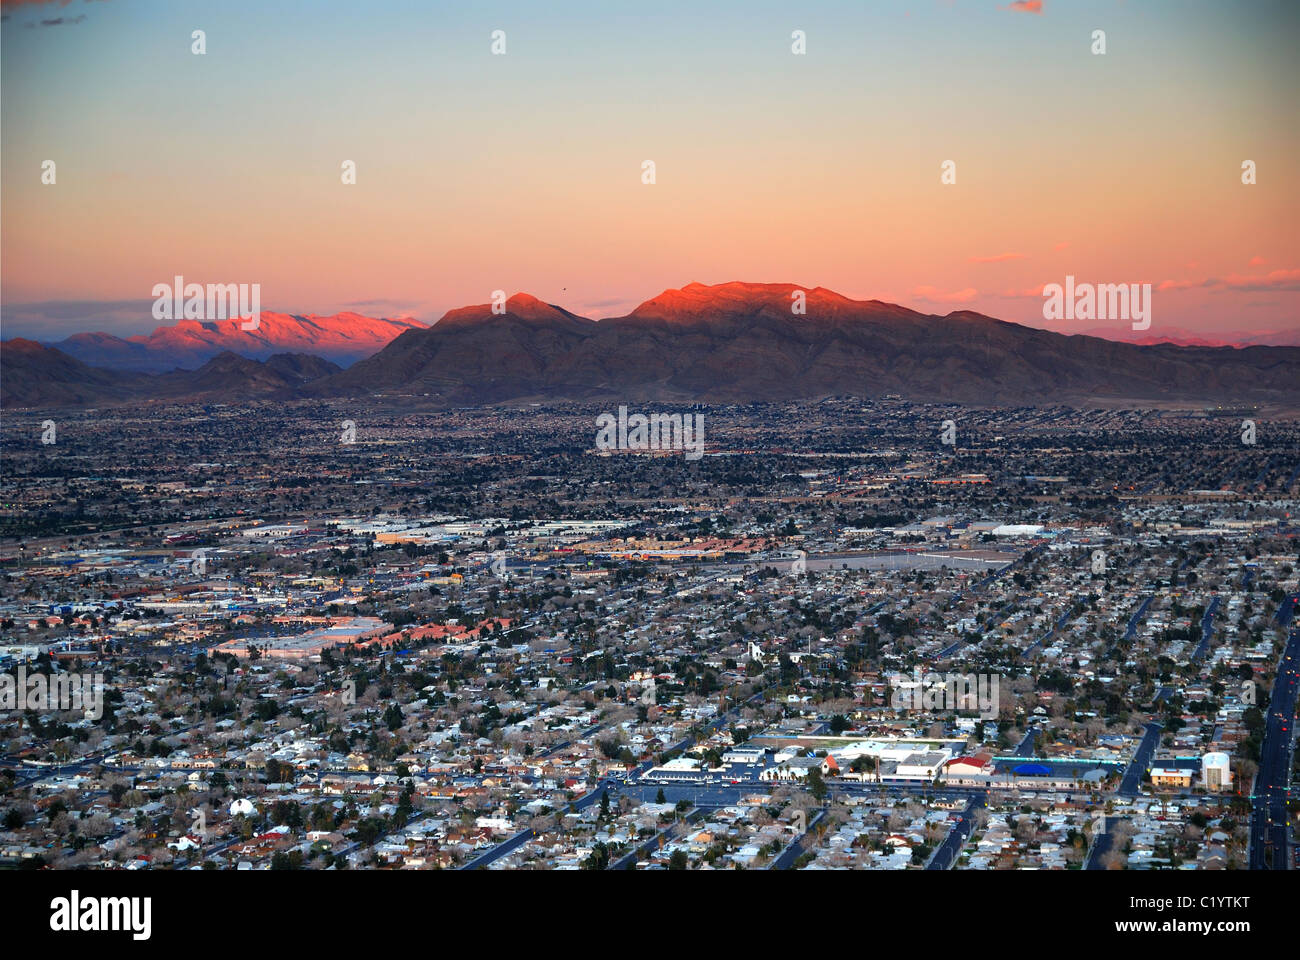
(726, 794)
(1269, 841)
(1141, 762)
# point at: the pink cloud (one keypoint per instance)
(1273, 280)
(1285, 280)
(1257, 262)
(1025, 6)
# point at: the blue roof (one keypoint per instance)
(1032, 770)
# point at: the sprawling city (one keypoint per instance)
(358, 639)
(450, 448)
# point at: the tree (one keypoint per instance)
(863, 764)
(678, 860)
(816, 785)
(599, 859)
(393, 717)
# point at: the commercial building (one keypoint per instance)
(1170, 777)
(340, 633)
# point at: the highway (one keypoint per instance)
(1269, 841)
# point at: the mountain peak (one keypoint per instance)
(520, 306)
(525, 301)
(676, 305)
(23, 345)
(741, 301)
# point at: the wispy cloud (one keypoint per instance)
(1024, 6)
(1274, 280)
(1285, 281)
(395, 307)
(51, 320)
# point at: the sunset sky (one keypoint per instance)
(522, 172)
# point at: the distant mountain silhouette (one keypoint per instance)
(1191, 338)
(32, 375)
(228, 378)
(343, 338)
(733, 342)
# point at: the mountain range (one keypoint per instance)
(343, 338)
(1193, 338)
(33, 375)
(732, 342)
